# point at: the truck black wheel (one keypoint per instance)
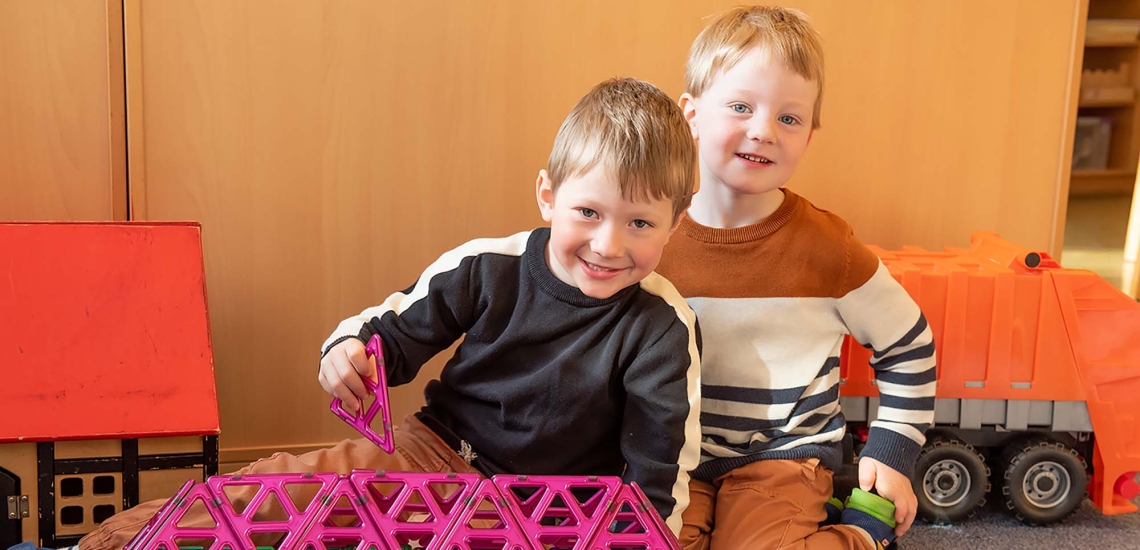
(1044, 481)
(951, 480)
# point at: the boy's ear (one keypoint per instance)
(545, 195)
(688, 105)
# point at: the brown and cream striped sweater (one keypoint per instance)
(774, 301)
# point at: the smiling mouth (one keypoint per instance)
(598, 268)
(755, 158)
(600, 272)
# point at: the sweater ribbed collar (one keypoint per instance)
(747, 233)
(535, 260)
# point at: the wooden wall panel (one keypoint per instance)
(939, 122)
(332, 150)
(62, 138)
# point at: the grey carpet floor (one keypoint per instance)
(992, 528)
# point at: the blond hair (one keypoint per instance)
(636, 131)
(784, 33)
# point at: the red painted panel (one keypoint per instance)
(103, 332)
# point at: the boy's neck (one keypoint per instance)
(720, 207)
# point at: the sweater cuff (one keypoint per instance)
(897, 451)
(880, 532)
(337, 341)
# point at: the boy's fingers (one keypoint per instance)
(358, 357)
(348, 373)
(866, 475)
(324, 381)
(901, 519)
(328, 377)
(905, 513)
(339, 390)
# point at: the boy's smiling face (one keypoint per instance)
(752, 124)
(601, 242)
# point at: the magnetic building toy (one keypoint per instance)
(376, 510)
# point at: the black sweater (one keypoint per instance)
(547, 380)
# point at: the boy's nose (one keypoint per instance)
(763, 130)
(607, 244)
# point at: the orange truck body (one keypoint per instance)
(1024, 344)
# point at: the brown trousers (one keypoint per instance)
(766, 504)
(417, 449)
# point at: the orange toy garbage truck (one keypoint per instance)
(1038, 382)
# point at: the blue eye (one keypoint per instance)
(740, 108)
(788, 119)
(641, 224)
(586, 212)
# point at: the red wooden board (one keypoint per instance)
(103, 332)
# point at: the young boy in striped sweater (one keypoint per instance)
(777, 284)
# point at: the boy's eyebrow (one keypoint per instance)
(743, 91)
(642, 210)
(795, 102)
(639, 209)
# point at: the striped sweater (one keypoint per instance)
(775, 301)
(547, 380)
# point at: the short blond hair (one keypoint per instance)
(784, 33)
(636, 131)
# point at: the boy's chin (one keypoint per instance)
(599, 292)
(755, 188)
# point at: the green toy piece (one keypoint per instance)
(875, 505)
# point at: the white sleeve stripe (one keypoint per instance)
(905, 416)
(925, 390)
(690, 455)
(914, 356)
(817, 438)
(515, 245)
(880, 312)
(906, 342)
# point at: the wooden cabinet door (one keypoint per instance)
(62, 133)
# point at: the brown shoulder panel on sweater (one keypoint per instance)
(799, 251)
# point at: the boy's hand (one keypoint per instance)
(893, 486)
(341, 374)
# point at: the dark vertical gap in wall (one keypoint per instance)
(130, 473)
(126, 116)
(45, 466)
(210, 455)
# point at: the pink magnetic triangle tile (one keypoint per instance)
(147, 532)
(629, 524)
(667, 534)
(248, 523)
(363, 422)
(488, 523)
(569, 525)
(168, 534)
(415, 509)
(323, 529)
